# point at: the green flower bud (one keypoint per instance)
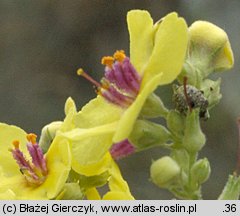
(147, 134)
(175, 123)
(48, 133)
(193, 139)
(154, 107)
(165, 172)
(200, 171)
(211, 91)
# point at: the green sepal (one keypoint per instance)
(86, 182)
(176, 124)
(193, 71)
(193, 139)
(211, 91)
(181, 156)
(147, 134)
(231, 190)
(153, 107)
(70, 191)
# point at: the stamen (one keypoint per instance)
(122, 149)
(32, 138)
(19, 157)
(35, 172)
(105, 83)
(119, 55)
(107, 60)
(16, 144)
(121, 82)
(81, 72)
(37, 157)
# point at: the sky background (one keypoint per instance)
(43, 43)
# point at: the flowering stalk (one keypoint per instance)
(195, 95)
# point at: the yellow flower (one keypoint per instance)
(157, 54)
(25, 172)
(93, 161)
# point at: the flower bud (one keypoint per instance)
(210, 45)
(147, 134)
(47, 135)
(153, 107)
(165, 172)
(193, 139)
(200, 171)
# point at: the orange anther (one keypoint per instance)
(16, 144)
(32, 138)
(119, 55)
(107, 60)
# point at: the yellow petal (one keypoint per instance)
(92, 194)
(97, 112)
(119, 189)
(68, 123)
(129, 117)
(225, 59)
(21, 189)
(69, 105)
(169, 50)
(90, 145)
(116, 182)
(9, 133)
(116, 195)
(14, 184)
(58, 160)
(97, 168)
(7, 195)
(140, 27)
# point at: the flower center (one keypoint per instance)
(35, 171)
(121, 82)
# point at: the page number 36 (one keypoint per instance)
(230, 208)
